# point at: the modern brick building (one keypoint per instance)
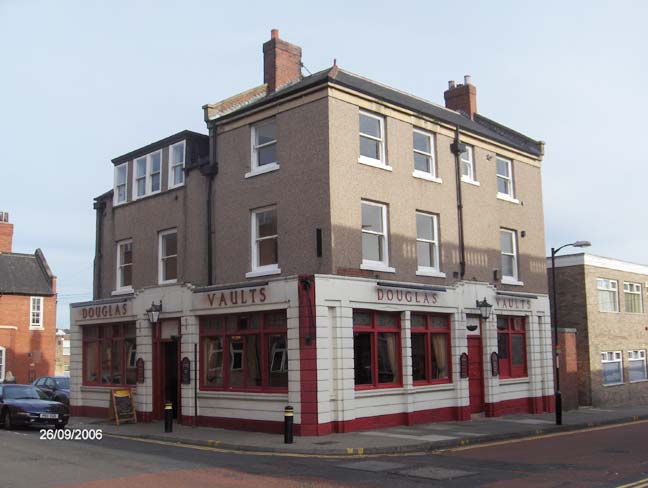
(324, 247)
(27, 310)
(601, 307)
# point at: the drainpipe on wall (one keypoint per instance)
(99, 206)
(209, 171)
(457, 148)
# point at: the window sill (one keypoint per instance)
(36, 328)
(430, 272)
(370, 266)
(123, 291)
(470, 181)
(609, 311)
(507, 198)
(134, 199)
(106, 388)
(425, 387)
(263, 272)
(508, 280)
(375, 163)
(613, 384)
(168, 282)
(173, 187)
(638, 381)
(266, 168)
(426, 176)
(513, 381)
(241, 395)
(367, 391)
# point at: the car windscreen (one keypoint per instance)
(63, 383)
(23, 393)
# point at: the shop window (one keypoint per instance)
(244, 352)
(431, 353)
(109, 354)
(376, 345)
(511, 347)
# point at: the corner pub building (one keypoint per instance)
(324, 247)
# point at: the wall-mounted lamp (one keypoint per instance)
(154, 312)
(485, 309)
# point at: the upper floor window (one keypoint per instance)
(504, 177)
(509, 252)
(632, 297)
(36, 313)
(168, 264)
(375, 253)
(264, 145)
(372, 139)
(121, 187)
(608, 295)
(176, 164)
(124, 265)
(612, 364)
(147, 170)
(467, 164)
(427, 243)
(265, 250)
(424, 164)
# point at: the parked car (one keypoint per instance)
(26, 405)
(56, 388)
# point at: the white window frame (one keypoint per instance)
(173, 165)
(638, 355)
(377, 163)
(161, 258)
(631, 288)
(434, 271)
(148, 175)
(430, 175)
(607, 285)
(470, 161)
(255, 169)
(118, 168)
(39, 324)
(3, 363)
(268, 269)
(118, 281)
(384, 264)
(506, 279)
(608, 357)
(508, 179)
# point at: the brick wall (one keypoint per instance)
(568, 368)
(30, 353)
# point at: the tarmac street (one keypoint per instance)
(606, 456)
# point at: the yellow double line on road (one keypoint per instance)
(636, 484)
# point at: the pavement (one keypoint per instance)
(392, 440)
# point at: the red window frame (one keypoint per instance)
(263, 332)
(374, 330)
(101, 337)
(515, 326)
(428, 331)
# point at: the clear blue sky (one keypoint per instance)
(83, 82)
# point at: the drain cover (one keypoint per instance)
(433, 473)
(373, 466)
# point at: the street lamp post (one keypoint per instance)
(557, 394)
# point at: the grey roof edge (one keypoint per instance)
(156, 145)
(40, 257)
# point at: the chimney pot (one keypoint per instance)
(274, 34)
(6, 233)
(451, 84)
(467, 80)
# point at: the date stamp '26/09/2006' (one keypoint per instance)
(71, 434)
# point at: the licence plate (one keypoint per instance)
(48, 415)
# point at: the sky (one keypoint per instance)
(85, 81)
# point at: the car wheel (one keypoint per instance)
(7, 420)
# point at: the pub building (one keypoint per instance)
(335, 245)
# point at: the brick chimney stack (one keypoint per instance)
(6, 232)
(462, 98)
(281, 62)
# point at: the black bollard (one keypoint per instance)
(288, 424)
(168, 417)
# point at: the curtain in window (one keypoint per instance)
(440, 355)
(253, 361)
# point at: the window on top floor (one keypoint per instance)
(467, 164)
(632, 297)
(504, 169)
(36, 313)
(424, 163)
(372, 139)
(264, 145)
(147, 174)
(121, 183)
(176, 164)
(608, 295)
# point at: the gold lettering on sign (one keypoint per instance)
(511, 303)
(236, 297)
(422, 297)
(104, 311)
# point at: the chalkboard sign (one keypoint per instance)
(185, 377)
(121, 406)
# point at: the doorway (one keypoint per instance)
(170, 375)
(475, 367)
(166, 362)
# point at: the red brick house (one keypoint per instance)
(27, 311)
